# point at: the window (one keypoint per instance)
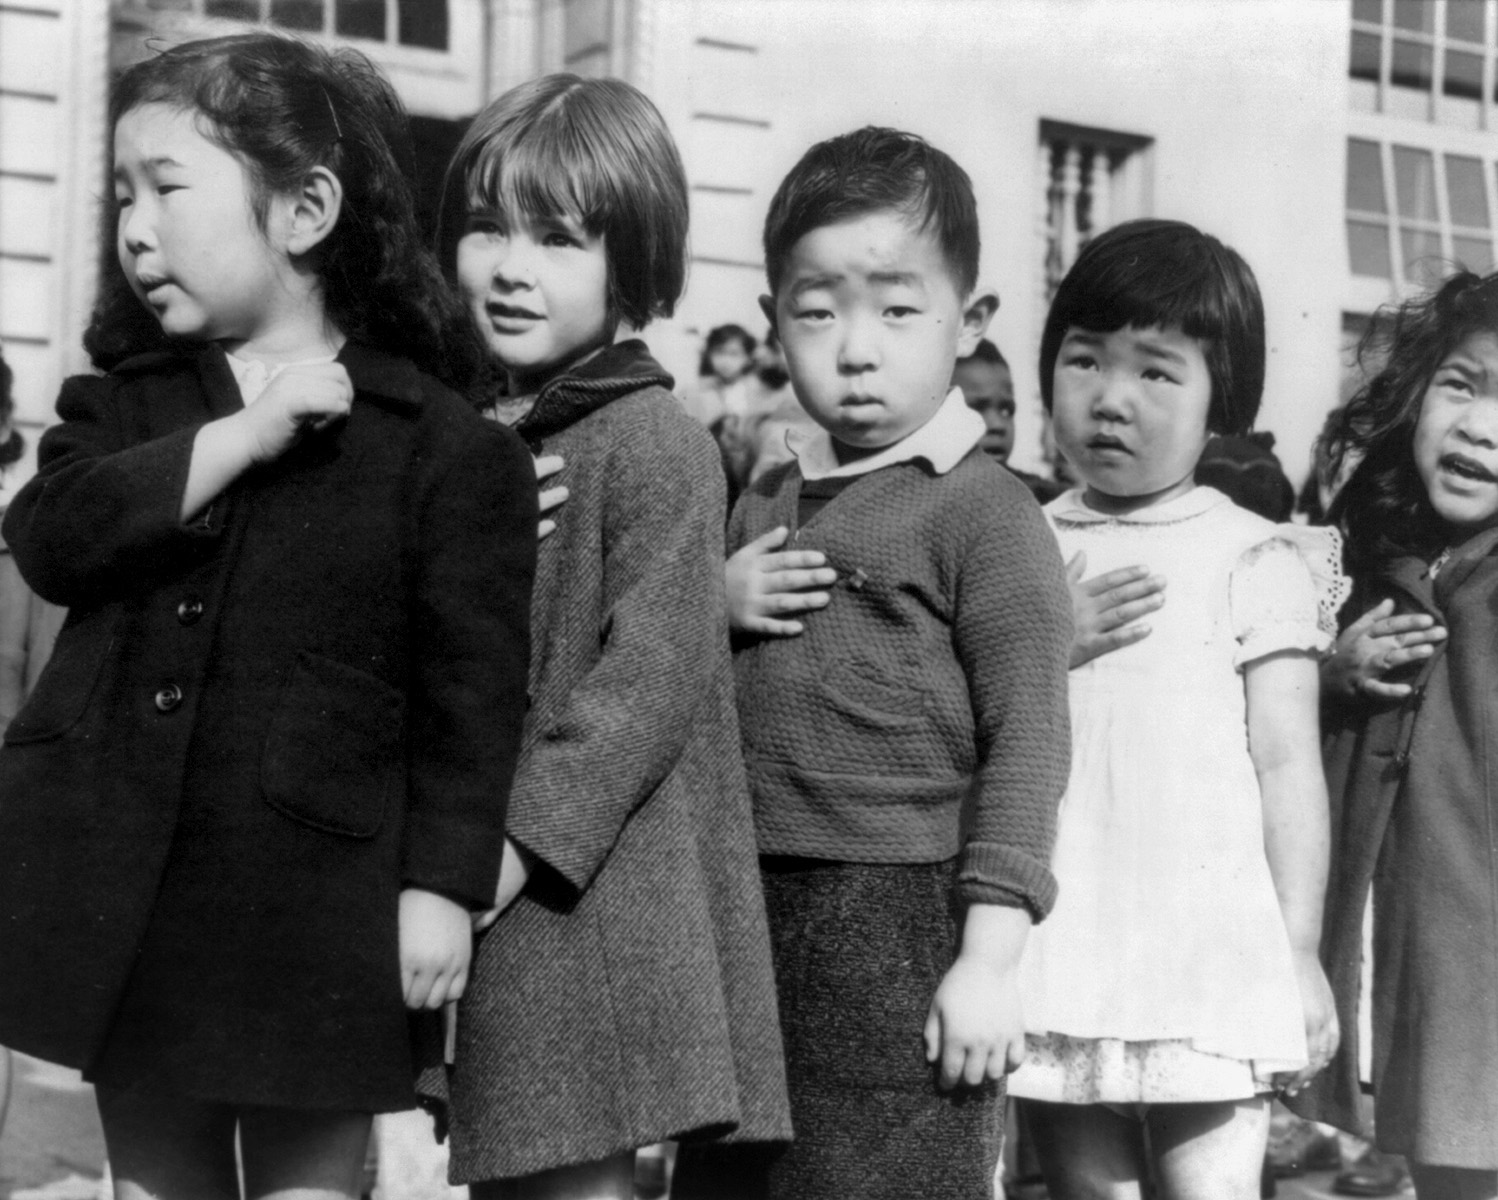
(1412, 212)
(1090, 179)
(419, 23)
(1424, 59)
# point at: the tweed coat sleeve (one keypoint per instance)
(103, 504)
(470, 655)
(663, 635)
(1012, 634)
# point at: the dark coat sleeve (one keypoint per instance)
(628, 720)
(102, 512)
(470, 655)
(1012, 632)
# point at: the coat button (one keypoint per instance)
(190, 610)
(168, 698)
(1402, 761)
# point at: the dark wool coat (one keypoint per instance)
(1414, 789)
(255, 729)
(627, 996)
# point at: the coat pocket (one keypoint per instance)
(335, 747)
(67, 682)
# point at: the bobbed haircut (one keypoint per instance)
(876, 170)
(985, 352)
(722, 335)
(1151, 274)
(596, 151)
(283, 107)
(13, 446)
(1384, 508)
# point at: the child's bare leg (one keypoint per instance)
(1209, 1151)
(168, 1147)
(292, 1154)
(1453, 1183)
(609, 1179)
(1087, 1151)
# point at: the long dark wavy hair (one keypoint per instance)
(1383, 509)
(283, 107)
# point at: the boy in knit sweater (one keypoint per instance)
(908, 748)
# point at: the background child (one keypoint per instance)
(988, 388)
(935, 678)
(261, 781)
(624, 995)
(722, 387)
(1420, 512)
(1177, 981)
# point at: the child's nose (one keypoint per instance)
(1479, 423)
(1111, 400)
(859, 349)
(514, 262)
(135, 228)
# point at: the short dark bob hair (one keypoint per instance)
(1167, 274)
(595, 151)
(283, 107)
(876, 170)
(1384, 508)
(722, 335)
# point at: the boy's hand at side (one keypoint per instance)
(436, 944)
(1106, 609)
(1322, 1031)
(1375, 644)
(548, 465)
(767, 586)
(975, 1027)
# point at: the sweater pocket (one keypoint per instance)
(334, 751)
(868, 696)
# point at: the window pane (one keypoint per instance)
(1371, 11)
(1419, 15)
(1466, 192)
(1463, 75)
(1412, 65)
(1476, 254)
(1368, 249)
(1363, 62)
(423, 23)
(1419, 247)
(360, 19)
(1464, 20)
(233, 10)
(1415, 183)
(297, 14)
(1365, 177)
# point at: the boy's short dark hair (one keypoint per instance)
(874, 170)
(985, 352)
(596, 150)
(1168, 274)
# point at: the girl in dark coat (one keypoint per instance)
(1411, 757)
(260, 787)
(623, 994)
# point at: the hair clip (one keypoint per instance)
(332, 112)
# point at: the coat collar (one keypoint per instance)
(615, 371)
(1411, 574)
(385, 379)
(1071, 509)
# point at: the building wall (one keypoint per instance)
(1244, 101)
(52, 55)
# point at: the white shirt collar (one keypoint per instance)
(943, 441)
(254, 376)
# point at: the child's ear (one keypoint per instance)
(313, 210)
(977, 312)
(767, 306)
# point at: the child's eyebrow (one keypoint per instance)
(895, 278)
(812, 283)
(1150, 350)
(151, 164)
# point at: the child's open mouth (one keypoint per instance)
(1104, 442)
(1467, 468)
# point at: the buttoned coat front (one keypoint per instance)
(255, 729)
(1414, 788)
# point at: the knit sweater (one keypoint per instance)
(937, 675)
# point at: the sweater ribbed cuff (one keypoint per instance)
(989, 871)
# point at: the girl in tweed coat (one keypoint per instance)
(623, 993)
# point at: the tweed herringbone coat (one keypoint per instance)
(627, 995)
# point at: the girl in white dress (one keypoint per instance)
(1176, 984)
